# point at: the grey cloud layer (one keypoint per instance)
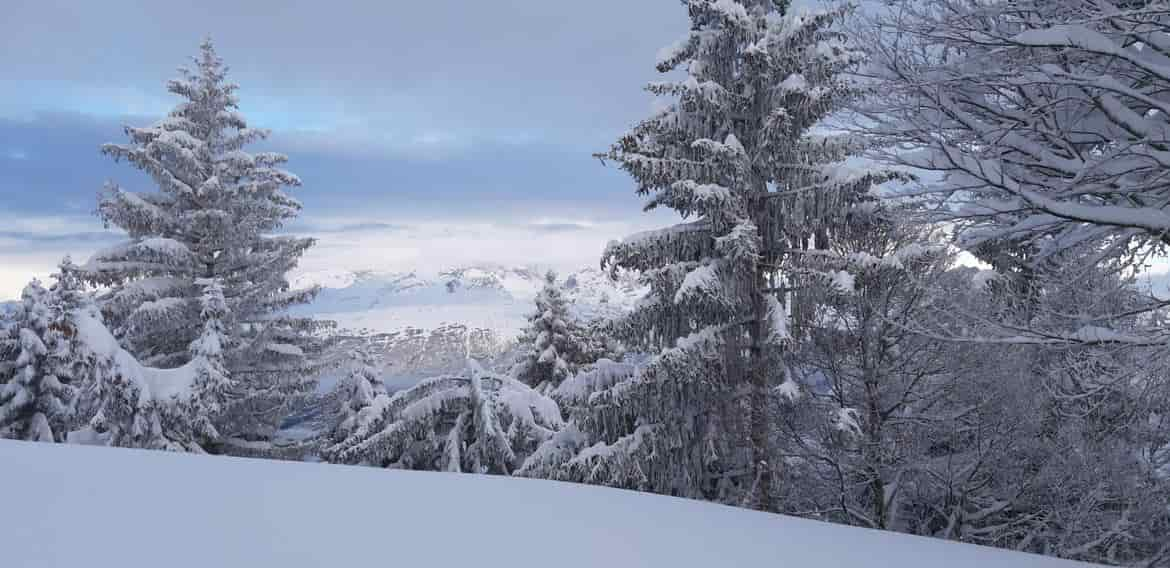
(62, 171)
(513, 68)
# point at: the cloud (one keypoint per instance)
(558, 227)
(24, 237)
(519, 177)
(49, 228)
(31, 246)
(62, 163)
(561, 226)
(362, 227)
(336, 226)
(441, 70)
(431, 247)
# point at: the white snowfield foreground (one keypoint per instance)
(70, 506)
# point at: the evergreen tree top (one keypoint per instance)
(195, 153)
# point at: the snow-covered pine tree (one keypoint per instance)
(737, 154)
(43, 363)
(212, 218)
(551, 349)
(212, 381)
(358, 390)
(131, 405)
(36, 404)
(24, 358)
(68, 290)
(122, 410)
(563, 455)
(9, 340)
(479, 423)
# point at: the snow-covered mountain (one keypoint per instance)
(481, 297)
(430, 323)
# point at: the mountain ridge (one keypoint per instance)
(428, 324)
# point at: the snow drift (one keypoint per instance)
(138, 508)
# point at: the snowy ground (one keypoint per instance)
(68, 506)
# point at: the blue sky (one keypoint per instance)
(436, 115)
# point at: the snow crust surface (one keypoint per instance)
(133, 508)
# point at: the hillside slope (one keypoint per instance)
(73, 506)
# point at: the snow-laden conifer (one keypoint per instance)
(212, 381)
(360, 388)
(553, 342)
(561, 456)
(478, 423)
(132, 405)
(9, 340)
(35, 404)
(41, 360)
(737, 155)
(212, 217)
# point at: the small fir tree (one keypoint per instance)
(38, 385)
(552, 350)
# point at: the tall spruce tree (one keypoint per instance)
(212, 218)
(735, 154)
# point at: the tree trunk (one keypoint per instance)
(760, 419)
(761, 497)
